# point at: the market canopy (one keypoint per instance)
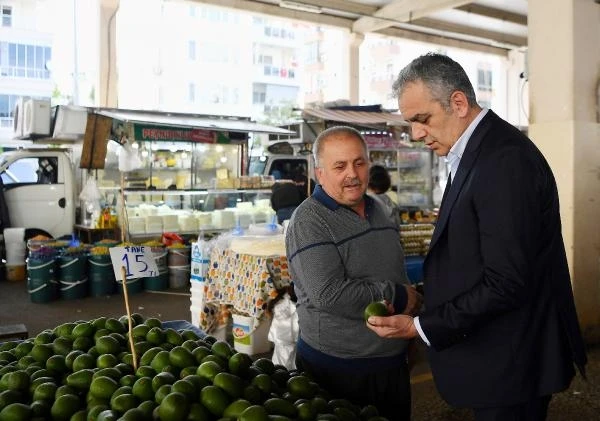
(365, 118)
(225, 124)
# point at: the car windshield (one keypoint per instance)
(257, 165)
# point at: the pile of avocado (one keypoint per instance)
(85, 371)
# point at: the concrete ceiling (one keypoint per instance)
(494, 26)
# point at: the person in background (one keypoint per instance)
(499, 318)
(345, 253)
(285, 197)
(379, 183)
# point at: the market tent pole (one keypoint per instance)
(129, 322)
(122, 212)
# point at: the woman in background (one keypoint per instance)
(379, 183)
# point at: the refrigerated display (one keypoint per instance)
(410, 171)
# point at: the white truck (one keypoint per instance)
(39, 189)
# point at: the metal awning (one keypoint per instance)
(225, 124)
(357, 117)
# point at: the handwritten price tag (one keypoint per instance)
(138, 261)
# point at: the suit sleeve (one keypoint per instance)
(506, 207)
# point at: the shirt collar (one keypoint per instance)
(329, 202)
(456, 151)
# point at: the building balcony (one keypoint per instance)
(277, 75)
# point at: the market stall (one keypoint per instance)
(190, 175)
(245, 274)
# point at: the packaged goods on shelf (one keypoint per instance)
(223, 219)
(188, 223)
(415, 238)
(204, 219)
(170, 222)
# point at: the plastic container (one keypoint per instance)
(15, 249)
(179, 277)
(161, 281)
(200, 260)
(101, 275)
(156, 283)
(134, 286)
(16, 254)
(179, 267)
(268, 228)
(42, 283)
(14, 235)
(250, 335)
(73, 276)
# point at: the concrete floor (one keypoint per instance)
(581, 402)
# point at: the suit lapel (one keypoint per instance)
(464, 168)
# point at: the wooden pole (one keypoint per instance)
(129, 322)
(124, 222)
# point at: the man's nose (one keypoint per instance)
(351, 171)
(418, 132)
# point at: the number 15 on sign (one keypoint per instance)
(138, 261)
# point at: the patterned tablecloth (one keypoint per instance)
(241, 283)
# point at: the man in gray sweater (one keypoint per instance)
(344, 253)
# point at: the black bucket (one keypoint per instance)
(161, 281)
(73, 276)
(101, 275)
(42, 283)
(134, 286)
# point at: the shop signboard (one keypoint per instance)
(150, 132)
(381, 141)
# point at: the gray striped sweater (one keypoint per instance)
(339, 263)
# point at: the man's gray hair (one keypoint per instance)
(330, 132)
(442, 75)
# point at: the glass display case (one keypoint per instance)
(414, 180)
(410, 171)
(193, 211)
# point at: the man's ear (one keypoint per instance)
(459, 103)
(318, 174)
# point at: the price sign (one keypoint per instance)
(138, 262)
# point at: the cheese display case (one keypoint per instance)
(194, 211)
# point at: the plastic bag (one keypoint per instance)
(91, 197)
(129, 159)
(91, 192)
(284, 332)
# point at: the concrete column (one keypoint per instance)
(354, 66)
(107, 83)
(564, 73)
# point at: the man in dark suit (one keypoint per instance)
(499, 319)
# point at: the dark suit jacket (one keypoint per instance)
(499, 309)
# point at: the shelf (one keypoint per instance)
(409, 166)
(194, 192)
(155, 169)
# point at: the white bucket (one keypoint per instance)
(195, 311)
(16, 251)
(250, 336)
(14, 235)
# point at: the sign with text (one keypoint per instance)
(138, 262)
(175, 134)
(381, 141)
